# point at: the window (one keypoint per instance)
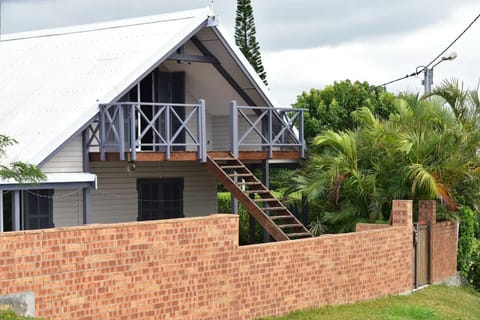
(161, 87)
(38, 209)
(160, 198)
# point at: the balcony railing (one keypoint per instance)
(143, 126)
(128, 127)
(271, 128)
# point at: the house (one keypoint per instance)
(137, 120)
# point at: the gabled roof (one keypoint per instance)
(52, 81)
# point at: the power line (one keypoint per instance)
(453, 42)
(398, 79)
(417, 72)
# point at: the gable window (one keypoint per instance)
(38, 209)
(164, 88)
(160, 198)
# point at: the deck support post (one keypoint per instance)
(266, 183)
(16, 210)
(252, 225)
(234, 204)
(233, 200)
(234, 145)
(233, 128)
(2, 228)
(86, 205)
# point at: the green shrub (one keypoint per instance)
(223, 202)
(474, 270)
(466, 241)
(10, 315)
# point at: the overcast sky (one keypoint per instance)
(308, 43)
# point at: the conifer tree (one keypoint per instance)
(245, 37)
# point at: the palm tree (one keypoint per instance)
(424, 151)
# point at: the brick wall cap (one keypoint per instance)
(96, 226)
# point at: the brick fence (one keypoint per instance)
(443, 241)
(195, 269)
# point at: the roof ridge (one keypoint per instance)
(105, 25)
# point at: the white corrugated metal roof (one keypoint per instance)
(64, 178)
(52, 81)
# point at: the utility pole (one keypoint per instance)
(428, 80)
(428, 73)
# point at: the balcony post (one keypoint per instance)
(301, 135)
(121, 130)
(270, 133)
(133, 140)
(202, 132)
(167, 132)
(234, 128)
(102, 132)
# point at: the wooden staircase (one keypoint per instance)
(272, 215)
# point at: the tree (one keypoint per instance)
(17, 170)
(331, 108)
(421, 152)
(245, 37)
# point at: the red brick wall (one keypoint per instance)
(360, 227)
(443, 242)
(194, 269)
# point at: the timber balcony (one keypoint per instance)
(137, 131)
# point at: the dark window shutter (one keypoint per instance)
(38, 209)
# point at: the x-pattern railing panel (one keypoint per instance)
(128, 124)
(93, 132)
(183, 125)
(287, 129)
(280, 127)
(151, 124)
(253, 126)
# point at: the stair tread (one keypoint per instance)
(256, 191)
(282, 217)
(233, 167)
(276, 217)
(299, 234)
(265, 200)
(291, 225)
(274, 208)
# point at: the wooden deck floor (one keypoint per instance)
(192, 155)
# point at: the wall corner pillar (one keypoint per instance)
(402, 212)
(427, 211)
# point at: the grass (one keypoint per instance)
(432, 303)
(10, 315)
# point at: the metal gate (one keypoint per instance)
(421, 254)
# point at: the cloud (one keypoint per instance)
(305, 43)
(291, 24)
(281, 25)
(24, 15)
(379, 59)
